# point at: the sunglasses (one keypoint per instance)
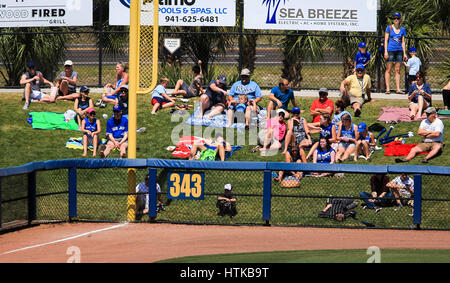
(360, 70)
(396, 18)
(92, 113)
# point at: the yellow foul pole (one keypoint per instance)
(135, 11)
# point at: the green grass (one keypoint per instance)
(21, 144)
(322, 256)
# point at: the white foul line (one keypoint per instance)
(66, 239)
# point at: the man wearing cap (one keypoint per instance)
(363, 56)
(320, 106)
(249, 88)
(365, 141)
(226, 202)
(32, 80)
(214, 99)
(122, 100)
(432, 132)
(280, 96)
(67, 83)
(116, 133)
(355, 88)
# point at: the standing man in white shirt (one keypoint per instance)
(432, 131)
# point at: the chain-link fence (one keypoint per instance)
(100, 194)
(268, 55)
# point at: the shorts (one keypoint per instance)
(36, 95)
(395, 56)
(70, 91)
(427, 146)
(411, 78)
(185, 87)
(160, 100)
(90, 139)
(346, 144)
(354, 99)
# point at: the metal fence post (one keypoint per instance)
(417, 219)
(100, 47)
(72, 193)
(152, 174)
(0, 202)
(267, 196)
(31, 197)
(241, 31)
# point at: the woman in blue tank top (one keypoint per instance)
(347, 137)
(90, 126)
(324, 154)
(325, 128)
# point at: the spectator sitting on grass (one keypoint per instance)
(432, 131)
(347, 136)
(298, 132)
(110, 91)
(214, 99)
(67, 83)
(339, 112)
(320, 106)
(420, 96)
(32, 80)
(364, 144)
(380, 195)
(292, 178)
(116, 133)
(273, 138)
(90, 126)
(219, 145)
(249, 88)
(193, 90)
(355, 88)
(160, 98)
(326, 129)
(122, 100)
(324, 154)
(82, 103)
(279, 97)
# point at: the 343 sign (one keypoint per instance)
(183, 185)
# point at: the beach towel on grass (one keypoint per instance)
(184, 145)
(77, 143)
(397, 148)
(398, 114)
(220, 121)
(51, 121)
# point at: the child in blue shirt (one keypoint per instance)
(363, 56)
(160, 98)
(413, 66)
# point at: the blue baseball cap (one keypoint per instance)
(397, 15)
(84, 89)
(362, 127)
(30, 64)
(295, 110)
(362, 44)
(117, 108)
(360, 66)
(413, 49)
(222, 79)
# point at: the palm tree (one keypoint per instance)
(271, 17)
(296, 47)
(44, 46)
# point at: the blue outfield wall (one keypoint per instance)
(264, 167)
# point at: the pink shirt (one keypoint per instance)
(279, 129)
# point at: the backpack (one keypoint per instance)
(208, 155)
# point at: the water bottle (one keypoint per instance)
(39, 79)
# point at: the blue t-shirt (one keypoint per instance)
(414, 64)
(117, 130)
(362, 58)
(284, 97)
(90, 126)
(158, 91)
(251, 89)
(425, 87)
(395, 39)
(338, 117)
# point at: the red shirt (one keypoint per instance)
(319, 105)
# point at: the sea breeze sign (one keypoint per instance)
(179, 12)
(321, 15)
(39, 13)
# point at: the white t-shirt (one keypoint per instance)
(436, 126)
(408, 183)
(142, 188)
